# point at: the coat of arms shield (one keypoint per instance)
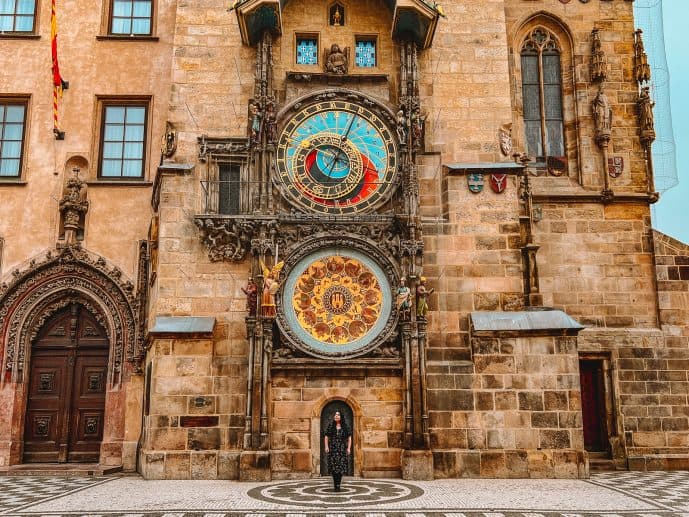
(498, 182)
(615, 166)
(475, 182)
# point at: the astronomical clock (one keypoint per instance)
(337, 157)
(337, 160)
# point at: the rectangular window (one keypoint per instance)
(307, 50)
(365, 55)
(131, 17)
(123, 140)
(17, 15)
(12, 122)
(229, 188)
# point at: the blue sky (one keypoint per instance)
(671, 214)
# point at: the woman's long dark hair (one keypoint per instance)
(331, 429)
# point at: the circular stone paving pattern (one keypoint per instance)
(319, 492)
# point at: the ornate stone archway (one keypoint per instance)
(36, 292)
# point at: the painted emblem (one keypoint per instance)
(475, 182)
(498, 182)
(615, 166)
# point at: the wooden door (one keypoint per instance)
(66, 399)
(327, 417)
(593, 405)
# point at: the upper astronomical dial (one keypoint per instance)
(336, 157)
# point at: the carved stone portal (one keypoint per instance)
(57, 280)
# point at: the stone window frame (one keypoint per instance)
(129, 100)
(307, 35)
(106, 32)
(561, 34)
(243, 185)
(365, 38)
(14, 15)
(9, 100)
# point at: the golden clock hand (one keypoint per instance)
(349, 128)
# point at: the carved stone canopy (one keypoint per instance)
(231, 238)
(47, 284)
(413, 20)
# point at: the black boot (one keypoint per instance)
(337, 478)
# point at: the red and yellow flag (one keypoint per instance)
(59, 84)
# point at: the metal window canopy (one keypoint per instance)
(182, 326)
(486, 168)
(542, 321)
(414, 20)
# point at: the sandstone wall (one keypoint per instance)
(192, 378)
(119, 214)
(513, 411)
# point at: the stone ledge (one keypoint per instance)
(518, 323)
(659, 462)
(182, 326)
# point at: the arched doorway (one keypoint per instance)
(66, 391)
(326, 417)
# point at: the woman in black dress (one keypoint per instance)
(338, 447)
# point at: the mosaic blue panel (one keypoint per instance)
(307, 51)
(366, 54)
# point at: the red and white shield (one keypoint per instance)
(498, 182)
(615, 166)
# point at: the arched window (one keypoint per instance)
(542, 92)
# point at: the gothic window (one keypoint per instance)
(17, 15)
(123, 139)
(131, 17)
(542, 96)
(12, 122)
(365, 55)
(307, 50)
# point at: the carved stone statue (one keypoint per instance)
(251, 292)
(599, 65)
(422, 294)
(255, 117)
(271, 123)
(404, 300)
(402, 127)
(646, 122)
(73, 206)
(169, 143)
(270, 289)
(336, 61)
(642, 70)
(602, 112)
(417, 128)
(505, 136)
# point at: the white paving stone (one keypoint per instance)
(627, 494)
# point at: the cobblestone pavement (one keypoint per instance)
(624, 494)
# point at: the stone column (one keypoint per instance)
(408, 397)
(248, 419)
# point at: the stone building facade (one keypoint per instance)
(433, 219)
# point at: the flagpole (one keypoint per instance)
(59, 84)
